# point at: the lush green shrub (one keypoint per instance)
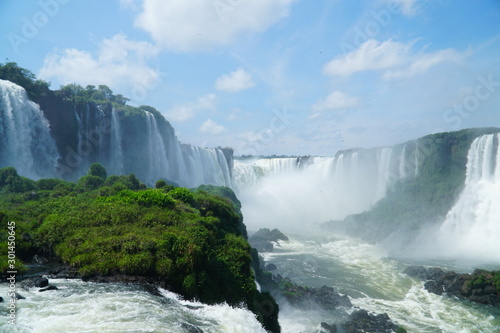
(90, 182)
(11, 182)
(98, 170)
(182, 194)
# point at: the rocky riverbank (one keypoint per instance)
(481, 286)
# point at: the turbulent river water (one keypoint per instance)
(374, 281)
(103, 307)
(371, 277)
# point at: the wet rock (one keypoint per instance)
(270, 235)
(190, 328)
(1, 299)
(34, 282)
(329, 328)
(262, 245)
(19, 296)
(48, 288)
(416, 272)
(271, 267)
(39, 260)
(64, 272)
(303, 296)
(481, 286)
(363, 321)
(434, 287)
(263, 239)
(435, 273)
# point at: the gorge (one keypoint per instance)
(354, 219)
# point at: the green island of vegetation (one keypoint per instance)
(193, 242)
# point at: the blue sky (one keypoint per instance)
(304, 77)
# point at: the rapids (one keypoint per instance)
(79, 307)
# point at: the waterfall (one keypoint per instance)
(402, 163)
(205, 166)
(384, 172)
(472, 227)
(157, 162)
(116, 144)
(26, 143)
(323, 189)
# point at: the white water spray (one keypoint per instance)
(288, 192)
(472, 227)
(26, 143)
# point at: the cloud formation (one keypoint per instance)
(396, 59)
(235, 81)
(187, 111)
(408, 7)
(211, 127)
(198, 25)
(337, 100)
(118, 63)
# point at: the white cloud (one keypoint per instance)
(394, 58)
(118, 63)
(189, 110)
(407, 7)
(235, 81)
(371, 55)
(196, 25)
(211, 127)
(334, 101)
(422, 63)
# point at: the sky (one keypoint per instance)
(284, 77)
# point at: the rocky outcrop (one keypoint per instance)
(303, 296)
(263, 239)
(34, 282)
(364, 321)
(481, 286)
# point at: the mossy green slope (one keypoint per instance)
(191, 241)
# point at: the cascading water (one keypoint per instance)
(291, 196)
(116, 145)
(26, 143)
(157, 162)
(205, 166)
(292, 191)
(101, 135)
(472, 227)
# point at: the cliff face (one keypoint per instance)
(124, 139)
(441, 167)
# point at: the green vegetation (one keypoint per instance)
(12, 72)
(483, 278)
(192, 241)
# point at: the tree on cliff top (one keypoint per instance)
(34, 87)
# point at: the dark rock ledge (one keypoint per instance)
(481, 286)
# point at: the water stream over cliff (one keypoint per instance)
(26, 142)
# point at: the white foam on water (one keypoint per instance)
(79, 307)
(377, 285)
